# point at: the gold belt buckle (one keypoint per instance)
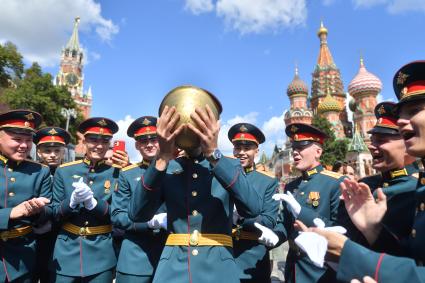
(83, 231)
(194, 238)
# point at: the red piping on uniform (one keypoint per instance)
(144, 186)
(81, 258)
(378, 266)
(234, 180)
(6, 192)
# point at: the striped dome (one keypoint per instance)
(297, 86)
(364, 81)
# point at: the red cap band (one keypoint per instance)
(18, 124)
(308, 137)
(98, 131)
(52, 139)
(387, 122)
(150, 130)
(244, 137)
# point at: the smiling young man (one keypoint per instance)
(81, 195)
(251, 242)
(26, 193)
(143, 241)
(313, 195)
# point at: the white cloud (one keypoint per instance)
(328, 2)
(368, 3)
(41, 28)
(199, 6)
(253, 16)
(274, 130)
(129, 142)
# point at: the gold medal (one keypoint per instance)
(316, 203)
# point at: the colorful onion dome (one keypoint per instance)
(297, 86)
(329, 104)
(364, 81)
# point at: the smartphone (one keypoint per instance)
(119, 145)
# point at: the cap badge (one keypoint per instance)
(101, 131)
(29, 116)
(243, 128)
(146, 122)
(102, 122)
(27, 124)
(52, 132)
(242, 136)
(294, 129)
(401, 78)
(381, 110)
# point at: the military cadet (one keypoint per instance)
(81, 196)
(398, 176)
(26, 193)
(251, 256)
(51, 143)
(313, 195)
(143, 241)
(199, 191)
(409, 87)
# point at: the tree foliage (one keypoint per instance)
(36, 91)
(11, 64)
(333, 149)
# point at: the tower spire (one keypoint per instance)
(73, 43)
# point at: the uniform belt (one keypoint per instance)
(15, 233)
(238, 234)
(197, 239)
(295, 249)
(87, 231)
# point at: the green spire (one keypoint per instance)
(73, 43)
(263, 158)
(357, 143)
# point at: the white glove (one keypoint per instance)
(46, 227)
(79, 194)
(268, 237)
(158, 221)
(292, 203)
(236, 215)
(315, 245)
(90, 203)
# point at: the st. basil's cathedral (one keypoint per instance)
(329, 100)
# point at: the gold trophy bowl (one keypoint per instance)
(186, 98)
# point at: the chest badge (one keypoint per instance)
(107, 186)
(313, 198)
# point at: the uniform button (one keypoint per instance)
(385, 185)
(194, 175)
(10, 169)
(413, 233)
(92, 170)
(195, 252)
(302, 193)
(194, 193)
(12, 179)
(195, 212)
(196, 161)
(11, 194)
(86, 223)
(91, 182)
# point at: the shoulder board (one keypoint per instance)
(268, 174)
(331, 174)
(370, 177)
(32, 161)
(116, 166)
(415, 175)
(130, 167)
(71, 163)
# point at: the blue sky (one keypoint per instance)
(244, 51)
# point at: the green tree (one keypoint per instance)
(333, 149)
(11, 65)
(36, 91)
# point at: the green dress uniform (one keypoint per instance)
(83, 248)
(20, 181)
(317, 191)
(252, 257)
(54, 137)
(199, 200)
(142, 246)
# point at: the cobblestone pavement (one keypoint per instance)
(279, 266)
